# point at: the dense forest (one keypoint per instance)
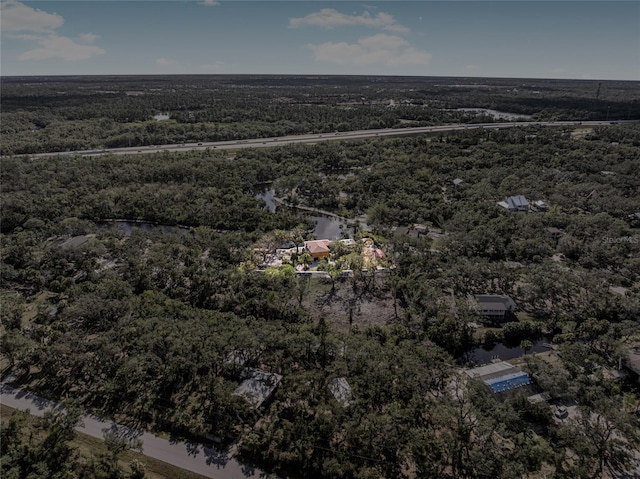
(46, 114)
(140, 326)
(46, 447)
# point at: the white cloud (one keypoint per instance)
(54, 46)
(209, 3)
(164, 61)
(217, 65)
(87, 37)
(382, 49)
(18, 17)
(29, 37)
(330, 18)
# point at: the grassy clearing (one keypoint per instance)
(524, 316)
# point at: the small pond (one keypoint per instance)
(267, 196)
(505, 353)
(331, 228)
(327, 227)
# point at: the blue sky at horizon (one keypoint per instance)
(527, 39)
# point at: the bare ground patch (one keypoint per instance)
(346, 305)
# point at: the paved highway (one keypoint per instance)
(192, 457)
(316, 138)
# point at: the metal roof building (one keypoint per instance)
(515, 203)
(518, 203)
(510, 381)
(258, 386)
(500, 377)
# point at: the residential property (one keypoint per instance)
(348, 242)
(554, 233)
(258, 386)
(341, 390)
(459, 182)
(541, 205)
(515, 203)
(500, 377)
(634, 218)
(318, 249)
(494, 306)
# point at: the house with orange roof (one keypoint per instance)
(318, 249)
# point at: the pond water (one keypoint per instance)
(267, 196)
(127, 228)
(331, 228)
(327, 227)
(505, 353)
(498, 115)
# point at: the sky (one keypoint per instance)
(581, 39)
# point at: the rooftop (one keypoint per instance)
(518, 201)
(348, 242)
(317, 246)
(258, 386)
(489, 369)
(341, 390)
(495, 301)
(500, 377)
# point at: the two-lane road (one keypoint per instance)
(192, 457)
(317, 138)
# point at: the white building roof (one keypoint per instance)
(341, 390)
(258, 386)
(489, 369)
(348, 242)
